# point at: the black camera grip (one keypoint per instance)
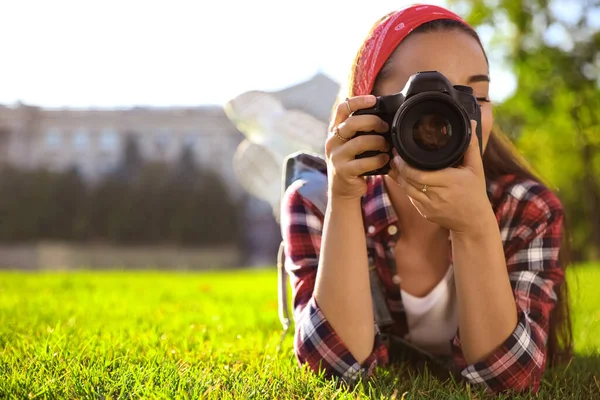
(377, 111)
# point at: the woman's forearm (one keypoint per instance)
(487, 310)
(342, 287)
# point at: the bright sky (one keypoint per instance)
(109, 53)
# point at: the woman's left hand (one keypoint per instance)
(454, 198)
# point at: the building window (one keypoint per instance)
(81, 139)
(109, 139)
(216, 147)
(205, 149)
(161, 141)
(54, 138)
(189, 141)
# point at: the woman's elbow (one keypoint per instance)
(321, 359)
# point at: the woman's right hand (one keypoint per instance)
(344, 170)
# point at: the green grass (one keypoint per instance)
(212, 335)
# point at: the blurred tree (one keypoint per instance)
(221, 216)
(64, 217)
(139, 203)
(41, 204)
(553, 48)
(132, 160)
(22, 200)
(200, 205)
(104, 207)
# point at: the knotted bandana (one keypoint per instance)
(387, 35)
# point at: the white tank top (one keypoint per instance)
(433, 319)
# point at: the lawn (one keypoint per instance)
(207, 335)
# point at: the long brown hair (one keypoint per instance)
(502, 158)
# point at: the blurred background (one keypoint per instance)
(138, 134)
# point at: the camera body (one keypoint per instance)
(429, 120)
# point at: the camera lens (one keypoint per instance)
(432, 132)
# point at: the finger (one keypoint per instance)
(393, 173)
(414, 192)
(342, 151)
(472, 158)
(360, 166)
(356, 103)
(360, 144)
(419, 177)
(362, 123)
(347, 130)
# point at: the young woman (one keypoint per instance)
(468, 256)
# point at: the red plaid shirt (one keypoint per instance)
(530, 219)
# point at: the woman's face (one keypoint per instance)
(453, 53)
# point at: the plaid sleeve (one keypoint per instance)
(530, 221)
(315, 341)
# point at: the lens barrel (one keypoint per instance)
(431, 131)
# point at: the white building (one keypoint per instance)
(91, 140)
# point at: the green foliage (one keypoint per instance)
(209, 335)
(141, 203)
(40, 204)
(552, 117)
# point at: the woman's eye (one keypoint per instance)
(483, 99)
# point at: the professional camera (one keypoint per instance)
(429, 121)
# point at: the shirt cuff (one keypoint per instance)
(517, 364)
(318, 345)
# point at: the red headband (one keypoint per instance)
(384, 39)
